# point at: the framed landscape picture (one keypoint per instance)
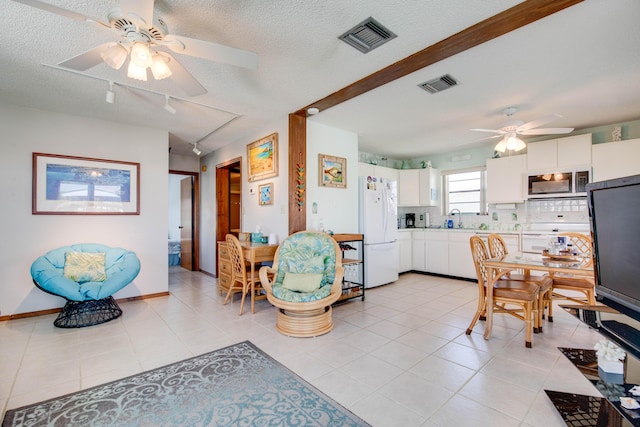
(67, 185)
(262, 158)
(265, 194)
(332, 171)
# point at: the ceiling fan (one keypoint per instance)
(146, 41)
(513, 128)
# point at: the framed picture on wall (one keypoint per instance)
(68, 185)
(332, 171)
(265, 194)
(262, 158)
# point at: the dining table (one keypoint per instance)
(527, 262)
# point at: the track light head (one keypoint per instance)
(168, 107)
(111, 95)
(195, 149)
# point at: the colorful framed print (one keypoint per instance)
(265, 194)
(262, 158)
(332, 171)
(68, 185)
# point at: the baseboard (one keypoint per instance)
(57, 310)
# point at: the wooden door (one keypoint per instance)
(186, 221)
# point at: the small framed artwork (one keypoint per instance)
(265, 194)
(68, 185)
(332, 171)
(262, 158)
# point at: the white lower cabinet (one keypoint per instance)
(436, 252)
(406, 261)
(460, 259)
(417, 250)
(448, 252)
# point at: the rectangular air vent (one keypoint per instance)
(367, 35)
(439, 84)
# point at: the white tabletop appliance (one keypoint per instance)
(378, 219)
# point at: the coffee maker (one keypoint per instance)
(410, 218)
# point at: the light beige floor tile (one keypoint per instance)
(460, 411)
(399, 358)
(379, 410)
(444, 373)
(500, 395)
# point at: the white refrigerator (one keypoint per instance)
(378, 219)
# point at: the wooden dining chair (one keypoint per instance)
(498, 248)
(241, 279)
(506, 293)
(584, 285)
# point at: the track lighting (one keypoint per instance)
(111, 95)
(195, 149)
(168, 107)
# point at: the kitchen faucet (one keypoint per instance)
(459, 216)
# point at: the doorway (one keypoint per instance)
(184, 203)
(228, 198)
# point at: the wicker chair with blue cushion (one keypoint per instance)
(306, 278)
(86, 275)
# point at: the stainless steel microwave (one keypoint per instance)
(558, 184)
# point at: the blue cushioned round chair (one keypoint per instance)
(306, 278)
(89, 289)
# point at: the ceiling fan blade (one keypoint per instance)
(489, 130)
(546, 131)
(183, 78)
(86, 60)
(140, 9)
(539, 122)
(212, 51)
(60, 11)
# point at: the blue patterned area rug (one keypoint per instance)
(239, 385)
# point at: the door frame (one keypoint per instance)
(223, 200)
(195, 215)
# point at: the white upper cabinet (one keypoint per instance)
(616, 159)
(409, 187)
(505, 179)
(367, 169)
(561, 153)
(419, 187)
(430, 187)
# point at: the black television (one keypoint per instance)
(614, 213)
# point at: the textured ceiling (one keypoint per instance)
(582, 62)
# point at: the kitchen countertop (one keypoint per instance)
(468, 230)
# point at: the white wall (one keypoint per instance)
(337, 207)
(184, 162)
(271, 218)
(26, 236)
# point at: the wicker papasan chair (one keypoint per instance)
(86, 275)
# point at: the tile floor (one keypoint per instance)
(400, 358)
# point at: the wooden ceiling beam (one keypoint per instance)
(509, 20)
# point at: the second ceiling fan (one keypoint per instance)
(513, 128)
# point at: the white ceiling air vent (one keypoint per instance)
(439, 84)
(367, 35)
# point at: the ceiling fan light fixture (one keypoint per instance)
(501, 146)
(114, 56)
(140, 55)
(160, 68)
(135, 72)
